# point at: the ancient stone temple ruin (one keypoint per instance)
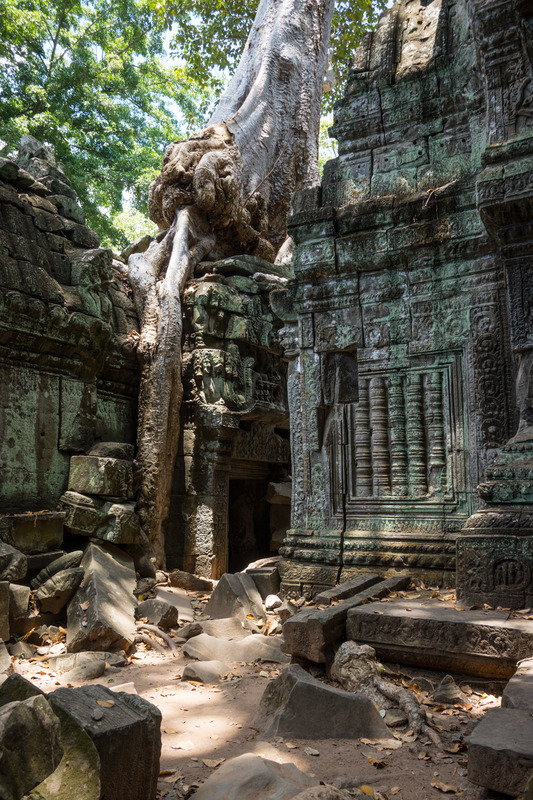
(390, 377)
(408, 324)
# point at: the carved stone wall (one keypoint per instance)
(68, 373)
(234, 410)
(407, 303)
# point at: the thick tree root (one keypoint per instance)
(158, 632)
(357, 670)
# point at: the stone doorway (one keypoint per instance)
(248, 522)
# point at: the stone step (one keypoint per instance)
(432, 635)
(345, 590)
(519, 691)
(500, 751)
(313, 634)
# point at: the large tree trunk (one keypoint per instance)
(224, 192)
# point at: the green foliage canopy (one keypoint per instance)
(99, 80)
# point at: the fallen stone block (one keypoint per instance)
(500, 751)
(13, 563)
(449, 693)
(345, 590)
(266, 579)
(286, 610)
(518, 693)
(313, 634)
(230, 629)
(58, 590)
(69, 661)
(101, 614)
(5, 610)
(19, 607)
(86, 672)
(158, 612)
(250, 777)
(252, 648)
(6, 665)
(236, 596)
(16, 688)
(22, 649)
(38, 561)
(205, 671)
(103, 519)
(431, 635)
(188, 581)
(33, 533)
(65, 561)
(105, 477)
(178, 598)
(296, 704)
(126, 733)
(30, 745)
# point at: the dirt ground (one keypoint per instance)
(205, 725)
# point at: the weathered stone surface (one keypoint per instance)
(254, 647)
(500, 751)
(13, 563)
(296, 704)
(91, 516)
(58, 590)
(38, 561)
(21, 649)
(236, 596)
(121, 450)
(518, 693)
(448, 693)
(17, 688)
(142, 560)
(19, 600)
(70, 661)
(185, 580)
(348, 589)
(126, 735)
(251, 777)
(177, 598)
(158, 612)
(431, 635)
(102, 612)
(33, 533)
(66, 561)
(6, 666)
(313, 634)
(30, 749)
(78, 773)
(85, 672)
(106, 477)
(5, 610)
(230, 629)
(205, 671)
(266, 579)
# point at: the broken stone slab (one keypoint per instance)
(431, 635)
(30, 745)
(449, 693)
(250, 777)
(266, 579)
(17, 688)
(103, 519)
(58, 590)
(19, 608)
(105, 477)
(21, 649)
(126, 733)
(38, 561)
(313, 634)
(6, 665)
(101, 615)
(345, 590)
(205, 671)
(272, 601)
(70, 661)
(186, 580)
(122, 450)
(286, 610)
(296, 704)
(230, 629)
(253, 648)
(5, 610)
(177, 598)
(77, 775)
(158, 612)
(518, 693)
(500, 751)
(33, 533)
(66, 561)
(13, 563)
(236, 596)
(85, 672)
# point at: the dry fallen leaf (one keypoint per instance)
(458, 747)
(85, 605)
(106, 703)
(394, 790)
(366, 789)
(444, 787)
(378, 763)
(310, 751)
(212, 762)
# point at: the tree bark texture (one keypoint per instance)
(224, 192)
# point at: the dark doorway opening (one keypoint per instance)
(248, 522)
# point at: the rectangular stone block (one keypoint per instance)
(519, 691)
(101, 615)
(19, 599)
(500, 751)
(435, 636)
(106, 477)
(345, 590)
(103, 519)
(313, 634)
(33, 533)
(127, 735)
